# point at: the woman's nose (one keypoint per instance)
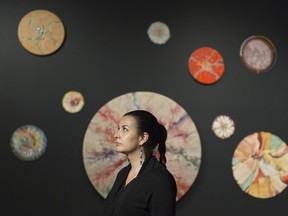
(116, 135)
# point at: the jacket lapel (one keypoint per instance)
(116, 188)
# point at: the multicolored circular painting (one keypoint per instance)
(260, 165)
(73, 101)
(159, 33)
(41, 32)
(28, 143)
(183, 153)
(206, 65)
(223, 126)
(258, 54)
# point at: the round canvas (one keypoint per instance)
(183, 153)
(206, 65)
(159, 33)
(223, 126)
(73, 101)
(258, 54)
(260, 165)
(28, 143)
(41, 32)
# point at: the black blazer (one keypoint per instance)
(151, 193)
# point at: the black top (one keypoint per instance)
(151, 193)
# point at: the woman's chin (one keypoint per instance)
(119, 149)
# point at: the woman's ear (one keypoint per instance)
(143, 138)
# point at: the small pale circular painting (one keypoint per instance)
(73, 101)
(260, 165)
(28, 143)
(183, 151)
(206, 65)
(41, 32)
(258, 54)
(159, 32)
(223, 126)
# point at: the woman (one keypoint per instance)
(144, 187)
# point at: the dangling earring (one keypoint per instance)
(128, 161)
(141, 155)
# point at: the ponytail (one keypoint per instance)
(162, 143)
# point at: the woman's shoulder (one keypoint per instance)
(159, 170)
(163, 179)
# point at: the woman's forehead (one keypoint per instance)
(127, 120)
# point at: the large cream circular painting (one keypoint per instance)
(183, 153)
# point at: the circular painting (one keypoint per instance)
(159, 33)
(260, 165)
(206, 65)
(28, 143)
(258, 54)
(183, 152)
(41, 32)
(223, 126)
(73, 101)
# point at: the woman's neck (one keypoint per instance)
(135, 161)
(135, 167)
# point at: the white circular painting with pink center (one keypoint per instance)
(183, 152)
(260, 165)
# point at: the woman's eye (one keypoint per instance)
(125, 129)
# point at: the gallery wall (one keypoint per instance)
(107, 53)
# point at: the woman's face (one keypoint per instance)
(127, 138)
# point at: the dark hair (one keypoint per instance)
(147, 122)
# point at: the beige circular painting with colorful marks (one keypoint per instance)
(183, 153)
(206, 65)
(41, 32)
(258, 54)
(73, 101)
(260, 165)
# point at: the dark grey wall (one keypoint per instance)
(106, 54)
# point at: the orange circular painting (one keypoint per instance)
(206, 65)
